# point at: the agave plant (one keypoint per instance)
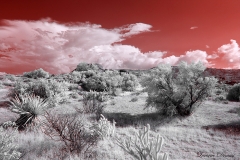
(29, 107)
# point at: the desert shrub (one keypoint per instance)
(130, 82)
(116, 91)
(177, 92)
(8, 124)
(86, 67)
(134, 99)
(219, 98)
(73, 87)
(72, 130)
(92, 103)
(99, 96)
(51, 89)
(39, 73)
(143, 147)
(10, 77)
(75, 76)
(74, 95)
(237, 110)
(95, 83)
(100, 82)
(218, 91)
(234, 93)
(7, 146)
(1, 85)
(29, 107)
(103, 128)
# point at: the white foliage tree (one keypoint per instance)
(179, 91)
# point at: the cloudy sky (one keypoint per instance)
(135, 34)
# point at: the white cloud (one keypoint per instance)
(59, 48)
(212, 56)
(194, 27)
(194, 56)
(231, 53)
(133, 29)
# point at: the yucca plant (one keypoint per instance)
(29, 107)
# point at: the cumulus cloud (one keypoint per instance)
(59, 48)
(194, 56)
(231, 53)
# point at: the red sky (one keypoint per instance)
(136, 34)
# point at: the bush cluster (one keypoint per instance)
(51, 89)
(39, 73)
(234, 93)
(92, 77)
(86, 67)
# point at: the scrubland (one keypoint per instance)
(103, 119)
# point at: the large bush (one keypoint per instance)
(234, 93)
(39, 73)
(129, 82)
(177, 92)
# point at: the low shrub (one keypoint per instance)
(92, 103)
(134, 99)
(234, 93)
(144, 148)
(72, 130)
(54, 91)
(219, 98)
(100, 96)
(218, 91)
(39, 73)
(7, 147)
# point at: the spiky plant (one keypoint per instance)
(144, 148)
(29, 107)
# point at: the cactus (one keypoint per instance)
(143, 148)
(104, 128)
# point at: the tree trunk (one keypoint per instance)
(183, 112)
